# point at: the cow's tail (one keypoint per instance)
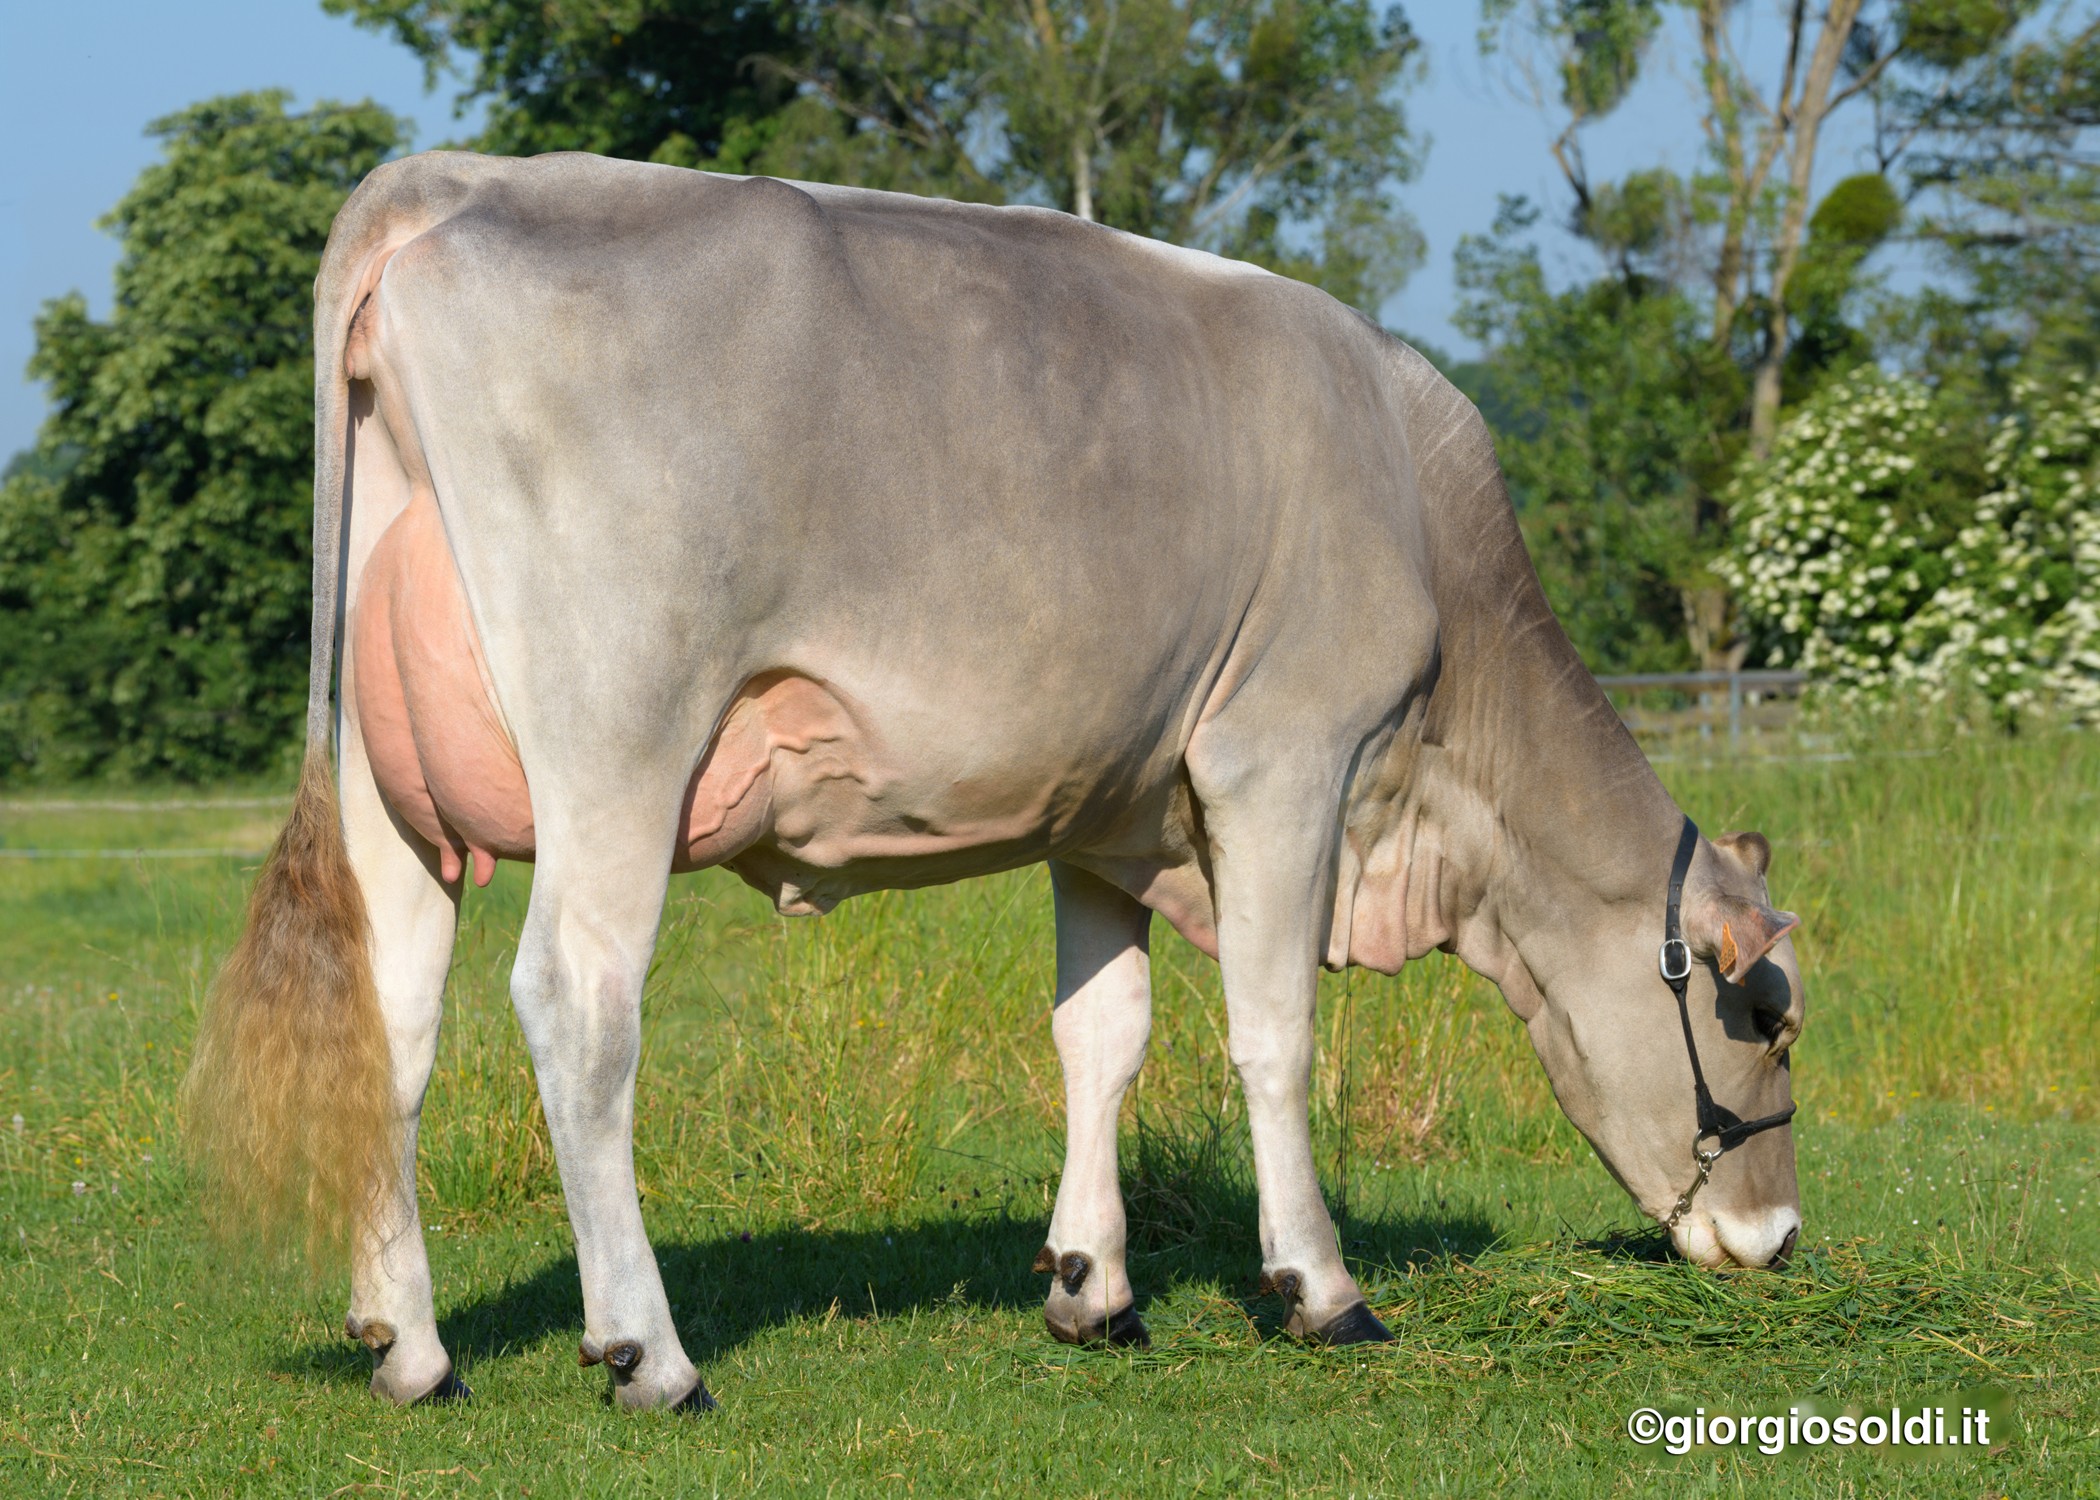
(288, 1106)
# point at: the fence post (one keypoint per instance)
(1735, 712)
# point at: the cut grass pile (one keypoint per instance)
(848, 1135)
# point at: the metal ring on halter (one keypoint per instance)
(1706, 1160)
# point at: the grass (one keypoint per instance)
(848, 1140)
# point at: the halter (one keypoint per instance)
(1724, 1127)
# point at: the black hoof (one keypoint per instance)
(695, 1400)
(446, 1392)
(1126, 1330)
(1354, 1324)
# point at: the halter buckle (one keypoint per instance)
(1677, 949)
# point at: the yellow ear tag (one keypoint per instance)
(1727, 954)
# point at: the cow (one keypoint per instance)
(851, 541)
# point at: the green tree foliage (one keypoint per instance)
(2009, 188)
(1271, 130)
(1855, 218)
(1592, 53)
(1611, 414)
(1966, 103)
(663, 80)
(154, 543)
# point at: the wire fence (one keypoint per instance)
(1739, 707)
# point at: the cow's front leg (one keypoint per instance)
(582, 958)
(1101, 1023)
(1273, 895)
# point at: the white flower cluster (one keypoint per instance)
(2019, 619)
(1842, 572)
(1827, 563)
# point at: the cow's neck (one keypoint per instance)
(1542, 812)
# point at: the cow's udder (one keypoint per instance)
(438, 748)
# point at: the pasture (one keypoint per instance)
(848, 1135)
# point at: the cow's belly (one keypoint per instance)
(798, 793)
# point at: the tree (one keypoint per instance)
(1611, 414)
(653, 80)
(1846, 50)
(1266, 129)
(154, 553)
(1780, 282)
(2008, 194)
(1270, 130)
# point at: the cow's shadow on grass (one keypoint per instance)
(729, 1287)
(1192, 1226)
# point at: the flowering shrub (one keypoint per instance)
(2019, 619)
(1865, 557)
(1836, 545)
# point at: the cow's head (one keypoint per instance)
(1606, 1027)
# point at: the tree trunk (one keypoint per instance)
(1082, 178)
(1746, 178)
(1808, 116)
(1723, 129)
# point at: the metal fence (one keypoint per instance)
(1740, 704)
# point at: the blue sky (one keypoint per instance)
(79, 81)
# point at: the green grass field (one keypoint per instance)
(849, 1133)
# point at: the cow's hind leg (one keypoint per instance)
(1272, 873)
(412, 915)
(597, 898)
(1101, 1023)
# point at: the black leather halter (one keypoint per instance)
(1724, 1127)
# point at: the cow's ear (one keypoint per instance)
(1735, 933)
(1753, 851)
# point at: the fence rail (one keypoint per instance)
(1759, 699)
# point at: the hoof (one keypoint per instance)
(1354, 1324)
(1121, 1330)
(393, 1370)
(445, 1390)
(448, 1390)
(1126, 1330)
(636, 1390)
(695, 1400)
